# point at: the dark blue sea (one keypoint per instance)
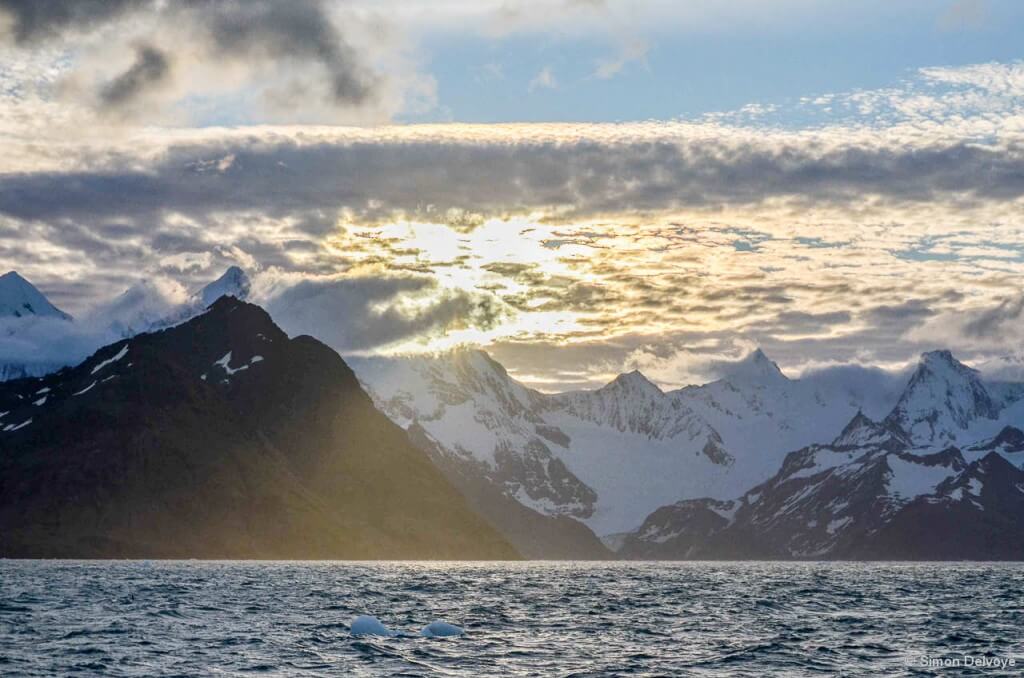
(134, 618)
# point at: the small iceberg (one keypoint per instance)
(440, 629)
(367, 625)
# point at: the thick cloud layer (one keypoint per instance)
(567, 178)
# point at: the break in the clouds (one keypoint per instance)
(839, 228)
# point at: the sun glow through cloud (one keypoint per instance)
(840, 225)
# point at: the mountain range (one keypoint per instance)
(852, 463)
(612, 458)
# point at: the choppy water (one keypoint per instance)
(530, 619)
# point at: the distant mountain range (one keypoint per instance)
(613, 458)
(844, 464)
(610, 457)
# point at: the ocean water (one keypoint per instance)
(131, 618)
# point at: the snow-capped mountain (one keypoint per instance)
(604, 457)
(875, 489)
(762, 414)
(37, 338)
(608, 457)
(148, 304)
(20, 299)
(879, 500)
(944, 401)
(24, 310)
(234, 283)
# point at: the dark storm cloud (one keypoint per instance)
(346, 313)
(245, 31)
(150, 68)
(427, 178)
(35, 20)
(299, 30)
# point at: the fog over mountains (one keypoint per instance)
(853, 463)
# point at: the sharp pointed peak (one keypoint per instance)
(13, 279)
(943, 355)
(233, 282)
(20, 298)
(633, 380)
(943, 362)
(757, 366)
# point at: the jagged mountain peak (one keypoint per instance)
(860, 431)
(863, 431)
(234, 282)
(19, 298)
(942, 361)
(942, 399)
(632, 382)
(756, 367)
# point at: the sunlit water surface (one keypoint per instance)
(531, 619)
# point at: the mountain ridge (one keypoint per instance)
(220, 438)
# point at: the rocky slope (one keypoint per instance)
(220, 438)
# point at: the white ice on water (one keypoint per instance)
(368, 625)
(440, 629)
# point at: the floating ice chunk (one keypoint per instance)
(440, 629)
(367, 625)
(120, 354)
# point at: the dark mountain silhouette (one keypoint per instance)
(220, 438)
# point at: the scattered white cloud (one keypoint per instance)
(632, 51)
(545, 79)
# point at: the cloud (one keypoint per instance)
(635, 50)
(831, 244)
(996, 327)
(287, 50)
(37, 20)
(300, 30)
(559, 171)
(545, 79)
(151, 67)
(350, 313)
(361, 313)
(57, 343)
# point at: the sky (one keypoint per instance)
(581, 187)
